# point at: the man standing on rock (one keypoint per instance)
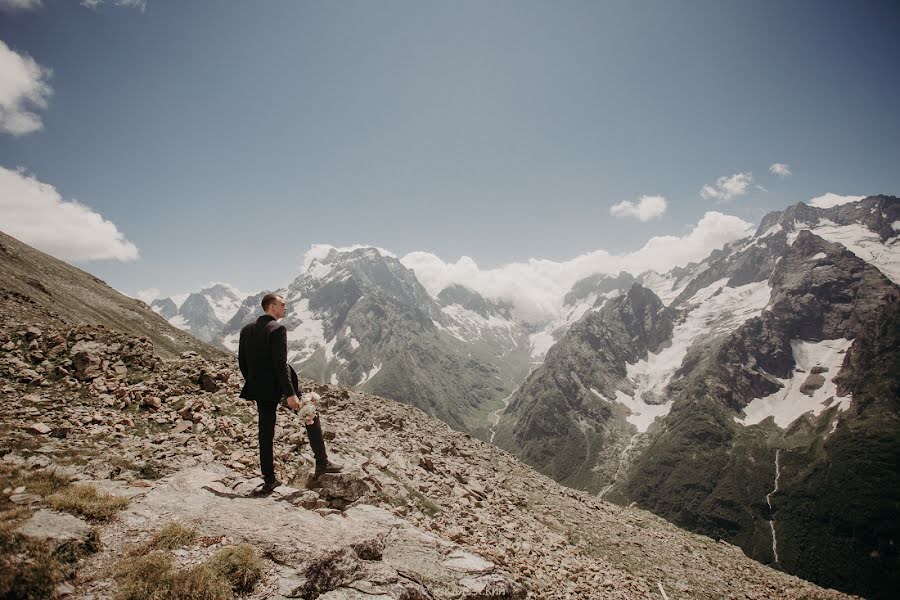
(262, 355)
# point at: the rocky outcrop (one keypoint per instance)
(362, 549)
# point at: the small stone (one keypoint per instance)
(24, 498)
(39, 428)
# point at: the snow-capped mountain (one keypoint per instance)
(361, 318)
(733, 396)
(203, 314)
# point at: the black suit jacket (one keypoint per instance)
(262, 355)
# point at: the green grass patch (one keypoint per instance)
(86, 501)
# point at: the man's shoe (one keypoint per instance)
(328, 467)
(270, 485)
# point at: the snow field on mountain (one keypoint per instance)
(232, 340)
(789, 403)
(354, 344)
(179, 321)
(718, 310)
(372, 373)
(861, 241)
(224, 308)
(553, 330)
(666, 287)
(309, 331)
(474, 321)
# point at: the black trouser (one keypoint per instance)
(267, 412)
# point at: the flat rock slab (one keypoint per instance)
(363, 552)
(57, 527)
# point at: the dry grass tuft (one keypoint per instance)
(241, 565)
(200, 583)
(28, 568)
(42, 483)
(87, 502)
(152, 576)
(172, 535)
(144, 577)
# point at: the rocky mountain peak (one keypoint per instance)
(824, 290)
(469, 299)
(875, 213)
(364, 271)
(789, 219)
(598, 284)
(166, 307)
(644, 316)
(221, 291)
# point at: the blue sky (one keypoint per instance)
(223, 139)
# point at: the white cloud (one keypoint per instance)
(537, 287)
(36, 214)
(23, 86)
(138, 4)
(648, 207)
(828, 200)
(148, 295)
(17, 5)
(728, 188)
(780, 169)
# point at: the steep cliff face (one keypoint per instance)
(776, 405)
(768, 389)
(562, 420)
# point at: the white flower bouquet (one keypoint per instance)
(308, 407)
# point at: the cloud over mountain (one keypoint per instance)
(828, 200)
(23, 88)
(538, 286)
(37, 214)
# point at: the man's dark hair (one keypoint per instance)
(269, 299)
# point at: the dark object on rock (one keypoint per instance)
(812, 383)
(328, 467)
(206, 382)
(269, 486)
